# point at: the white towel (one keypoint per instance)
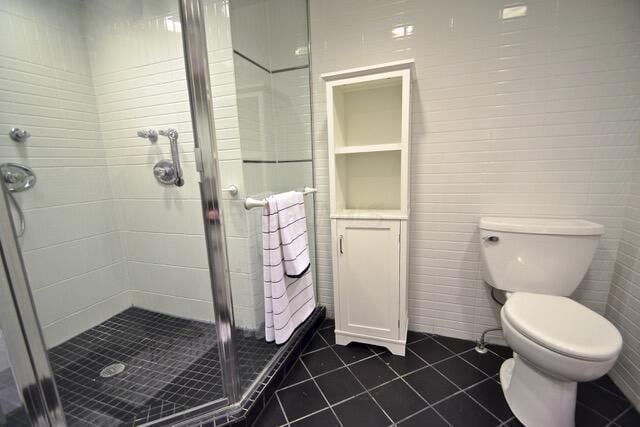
(293, 235)
(288, 300)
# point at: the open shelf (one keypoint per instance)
(368, 181)
(369, 214)
(367, 148)
(368, 113)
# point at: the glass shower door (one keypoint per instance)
(272, 152)
(109, 181)
(12, 409)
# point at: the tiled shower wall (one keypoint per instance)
(532, 116)
(623, 308)
(46, 88)
(102, 234)
(138, 74)
(140, 83)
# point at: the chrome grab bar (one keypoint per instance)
(172, 134)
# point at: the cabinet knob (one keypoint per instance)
(341, 251)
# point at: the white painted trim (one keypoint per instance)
(373, 148)
(368, 70)
(397, 347)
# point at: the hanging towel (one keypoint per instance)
(293, 235)
(288, 288)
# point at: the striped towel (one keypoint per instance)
(288, 288)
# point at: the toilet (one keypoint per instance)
(556, 341)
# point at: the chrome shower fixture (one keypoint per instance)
(17, 178)
(151, 134)
(19, 135)
(169, 172)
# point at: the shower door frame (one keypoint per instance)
(196, 59)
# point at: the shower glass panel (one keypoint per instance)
(114, 243)
(12, 410)
(268, 147)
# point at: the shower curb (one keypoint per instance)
(252, 406)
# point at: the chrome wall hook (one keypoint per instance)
(19, 135)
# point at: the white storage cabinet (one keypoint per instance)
(368, 120)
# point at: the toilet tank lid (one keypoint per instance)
(572, 227)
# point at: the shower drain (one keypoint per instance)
(112, 370)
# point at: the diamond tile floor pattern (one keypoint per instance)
(441, 381)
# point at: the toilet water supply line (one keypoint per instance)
(481, 346)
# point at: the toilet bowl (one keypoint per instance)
(557, 342)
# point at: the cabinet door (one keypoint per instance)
(368, 277)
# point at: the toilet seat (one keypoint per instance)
(563, 326)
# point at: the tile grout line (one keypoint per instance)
(464, 390)
(312, 378)
(402, 378)
(360, 382)
(322, 393)
(460, 390)
(281, 408)
(630, 408)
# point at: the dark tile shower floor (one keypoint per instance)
(12, 412)
(171, 364)
(441, 382)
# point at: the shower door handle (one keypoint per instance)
(172, 134)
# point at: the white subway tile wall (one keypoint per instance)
(140, 83)
(71, 245)
(115, 236)
(530, 116)
(623, 308)
(102, 234)
(274, 115)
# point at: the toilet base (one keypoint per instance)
(537, 399)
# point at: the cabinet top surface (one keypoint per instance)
(371, 69)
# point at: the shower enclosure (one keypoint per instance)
(131, 290)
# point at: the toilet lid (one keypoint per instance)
(563, 325)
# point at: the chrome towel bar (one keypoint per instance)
(250, 203)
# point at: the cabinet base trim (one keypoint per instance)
(397, 347)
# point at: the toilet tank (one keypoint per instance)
(540, 255)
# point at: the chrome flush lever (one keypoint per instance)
(172, 134)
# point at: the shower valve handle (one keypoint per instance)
(172, 134)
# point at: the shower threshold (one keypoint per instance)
(171, 364)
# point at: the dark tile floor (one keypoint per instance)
(171, 364)
(441, 381)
